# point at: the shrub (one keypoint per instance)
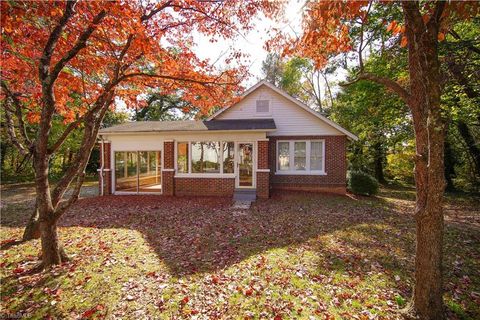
(362, 183)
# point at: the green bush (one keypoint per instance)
(362, 183)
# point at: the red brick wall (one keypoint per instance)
(107, 173)
(168, 155)
(263, 185)
(263, 178)
(168, 184)
(204, 186)
(168, 187)
(335, 167)
(262, 154)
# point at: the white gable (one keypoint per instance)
(290, 118)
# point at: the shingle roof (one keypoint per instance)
(192, 125)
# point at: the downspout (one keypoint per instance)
(102, 165)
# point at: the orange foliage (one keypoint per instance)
(326, 32)
(159, 54)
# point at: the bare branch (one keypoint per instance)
(92, 124)
(146, 17)
(148, 75)
(12, 134)
(388, 83)
(18, 111)
(73, 198)
(470, 46)
(434, 21)
(71, 126)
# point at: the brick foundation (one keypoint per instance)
(204, 187)
(335, 167)
(168, 185)
(263, 185)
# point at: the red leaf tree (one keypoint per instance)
(326, 33)
(68, 61)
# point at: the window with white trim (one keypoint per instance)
(182, 157)
(205, 157)
(212, 157)
(301, 157)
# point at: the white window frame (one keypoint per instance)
(190, 174)
(291, 150)
(254, 164)
(113, 171)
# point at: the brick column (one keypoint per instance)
(168, 171)
(107, 170)
(263, 172)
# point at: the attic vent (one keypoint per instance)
(263, 106)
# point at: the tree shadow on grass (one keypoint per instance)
(194, 235)
(197, 235)
(26, 306)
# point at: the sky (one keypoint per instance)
(252, 42)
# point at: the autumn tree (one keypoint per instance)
(68, 61)
(326, 30)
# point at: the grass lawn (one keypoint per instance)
(295, 255)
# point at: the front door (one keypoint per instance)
(245, 165)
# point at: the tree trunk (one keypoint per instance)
(51, 253)
(32, 230)
(424, 102)
(378, 162)
(430, 184)
(472, 147)
(449, 166)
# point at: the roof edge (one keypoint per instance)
(172, 131)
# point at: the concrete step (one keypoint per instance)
(245, 195)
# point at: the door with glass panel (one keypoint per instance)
(245, 165)
(138, 171)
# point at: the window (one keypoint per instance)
(182, 157)
(138, 171)
(263, 106)
(316, 155)
(126, 171)
(284, 156)
(149, 167)
(228, 157)
(301, 157)
(205, 157)
(300, 152)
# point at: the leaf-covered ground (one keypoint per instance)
(293, 256)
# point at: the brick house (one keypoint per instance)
(268, 140)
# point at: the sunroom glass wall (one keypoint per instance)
(149, 179)
(138, 171)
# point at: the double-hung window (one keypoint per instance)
(301, 157)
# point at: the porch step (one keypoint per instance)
(245, 195)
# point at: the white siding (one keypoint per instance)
(138, 142)
(289, 118)
(154, 141)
